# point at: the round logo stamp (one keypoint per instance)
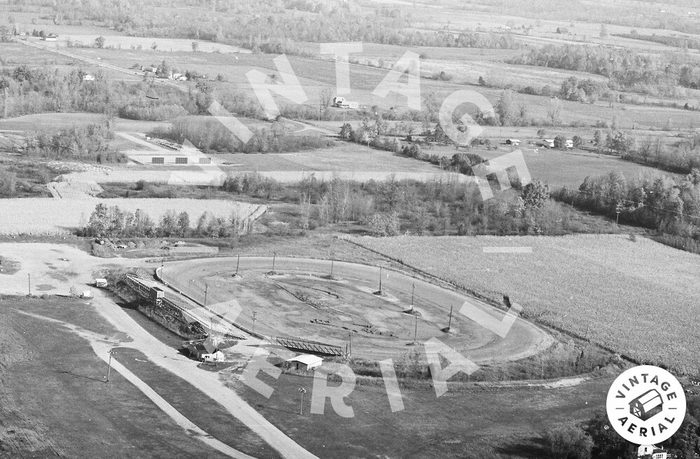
(646, 405)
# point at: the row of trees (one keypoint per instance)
(210, 135)
(682, 157)
(271, 25)
(113, 222)
(625, 68)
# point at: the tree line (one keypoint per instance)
(114, 222)
(665, 204)
(624, 68)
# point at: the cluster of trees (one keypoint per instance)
(39, 89)
(585, 90)
(86, 143)
(210, 135)
(113, 222)
(682, 157)
(625, 68)
(596, 439)
(392, 207)
(35, 90)
(669, 205)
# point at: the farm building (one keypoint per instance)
(651, 452)
(647, 405)
(305, 362)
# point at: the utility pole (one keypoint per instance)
(274, 257)
(206, 292)
(350, 338)
(238, 263)
(29, 283)
(413, 291)
(415, 329)
(302, 391)
(331, 269)
(380, 280)
(254, 315)
(449, 323)
(109, 364)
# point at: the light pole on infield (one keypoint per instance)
(29, 284)
(109, 364)
(238, 264)
(274, 258)
(415, 329)
(206, 293)
(413, 292)
(380, 280)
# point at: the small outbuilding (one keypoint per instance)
(305, 362)
(204, 350)
(100, 283)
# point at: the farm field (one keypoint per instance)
(41, 121)
(46, 216)
(622, 294)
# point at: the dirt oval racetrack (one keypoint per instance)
(300, 300)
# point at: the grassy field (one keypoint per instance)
(197, 407)
(636, 298)
(54, 399)
(470, 423)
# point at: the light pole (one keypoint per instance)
(413, 291)
(274, 257)
(302, 391)
(415, 329)
(109, 364)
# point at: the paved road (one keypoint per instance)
(523, 340)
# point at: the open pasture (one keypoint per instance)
(639, 298)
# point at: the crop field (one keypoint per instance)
(639, 298)
(566, 168)
(45, 216)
